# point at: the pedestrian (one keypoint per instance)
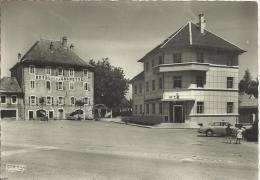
(239, 135)
(228, 134)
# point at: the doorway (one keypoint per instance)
(178, 114)
(60, 114)
(50, 114)
(30, 115)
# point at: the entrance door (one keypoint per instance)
(50, 114)
(178, 114)
(60, 113)
(30, 115)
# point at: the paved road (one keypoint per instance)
(100, 151)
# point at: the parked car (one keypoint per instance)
(251, 134)
(216, 128)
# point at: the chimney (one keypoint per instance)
(71, 47)
(64, 41)
(19, 57)
(202, 23)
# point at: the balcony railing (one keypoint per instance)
(189, 66)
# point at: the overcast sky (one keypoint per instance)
(122, 31)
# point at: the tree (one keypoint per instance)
(248, 86)
(244, 83)
(109, 82)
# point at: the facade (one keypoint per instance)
(11, 99)
(248, 109)
(191, 77)
(52, 78)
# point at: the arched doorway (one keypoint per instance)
(41, 114)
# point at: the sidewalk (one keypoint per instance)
(158, 126)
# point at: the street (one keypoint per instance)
(104, 150)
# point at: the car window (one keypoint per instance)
(216, 124)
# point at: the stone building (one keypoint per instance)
(52, 78)
(192, 76)
(11, 99)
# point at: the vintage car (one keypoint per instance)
(216, 128)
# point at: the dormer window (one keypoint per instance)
(60, 71)
(71, 72)
(176, 57)
(85, 72)
(230, 61)
(48, 70)
(200, 57)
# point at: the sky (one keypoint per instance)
(122, 31)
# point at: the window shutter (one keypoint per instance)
(88, 87)
(29, 100)
(52, 100)
(36, 100)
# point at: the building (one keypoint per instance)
(248, 108)
(52, 78)
(192, 76)
(11, 99)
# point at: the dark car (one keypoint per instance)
(251, 134)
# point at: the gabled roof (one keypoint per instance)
(9, 85)
(247, 101)
(139, 76)
(41, 53)
(189, 35)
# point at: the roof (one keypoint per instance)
(247, 101)
(41, 53)
(9, 85)
(189, 35)
(137, 77)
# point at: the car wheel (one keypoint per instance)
(209, 133)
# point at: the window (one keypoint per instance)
(86, 87)
(147, 86)
(60, 100)
(85, 72)
(229, 82)
(147, 108)
(160, 108)
(200, 57)
(135, 109)
(71, 72)
(141, 109)
(48, 85)
(140, 88)
(135, 89)
(177, 82)
(200, 81)
(160, 60)
(48, 70)
(60, 71)
(147, 67)
(153, 63)
(200, 107)
(71, 85)
(31, 69)
(216, 124)
(153, 108)
(32, 100)
(230, 61)
(72, 100)
(3, 99)
(176, 57)
(14, 99)
(160, 83)
(48, 100)
(153, 85)
(230, 107)
(60, 85)
(32, 84)
(85, 100)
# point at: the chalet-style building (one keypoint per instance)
(52, 78)
(11, 99)
(248, 109)
(190, 77)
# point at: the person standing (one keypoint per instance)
(239, 135)
(228, 134)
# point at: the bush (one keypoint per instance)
(143, 120)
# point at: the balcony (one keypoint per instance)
(189, 66)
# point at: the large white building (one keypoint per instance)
(191, 77)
